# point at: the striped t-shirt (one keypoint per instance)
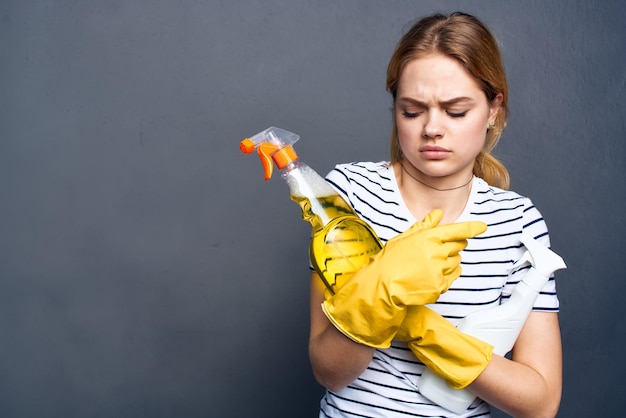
(389, 386)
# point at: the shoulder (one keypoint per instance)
(489, 196)
(507, 209)
(360, 174)
(371, 189)
(490, 199)
(360, 169)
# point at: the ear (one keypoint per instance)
(494, 108)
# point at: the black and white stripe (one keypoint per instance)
(389, 386)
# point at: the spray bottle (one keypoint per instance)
(341, 242)
(499, 326)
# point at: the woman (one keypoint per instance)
(449, 95)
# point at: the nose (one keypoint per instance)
(433, 127)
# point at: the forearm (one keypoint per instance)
(530, 384)
(516, 389)
(336, 360)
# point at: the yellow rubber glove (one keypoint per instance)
(413, 268)
(457, 357)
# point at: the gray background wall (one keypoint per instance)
(147, 270)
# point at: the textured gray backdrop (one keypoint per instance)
(147, 270)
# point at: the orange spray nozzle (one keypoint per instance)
(274, 145)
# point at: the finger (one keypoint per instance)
(452, 248)
(451, 264)
(430, 221)
(451, 275)
(433, 218)
(460, 231)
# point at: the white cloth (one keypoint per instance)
(389, 386)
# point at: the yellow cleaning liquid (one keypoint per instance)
(342, 242)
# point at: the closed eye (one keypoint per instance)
(410, 115)
(456, 115)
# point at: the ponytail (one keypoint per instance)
(491, 170)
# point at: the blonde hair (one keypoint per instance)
(464, 38)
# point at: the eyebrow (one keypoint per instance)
(444, 103)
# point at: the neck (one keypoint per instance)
(433, 187)
(422, 197)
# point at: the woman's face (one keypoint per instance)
(442, 118)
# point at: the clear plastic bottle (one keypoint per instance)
(341, 242)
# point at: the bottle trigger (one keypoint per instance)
(265, 151)
(526, 258)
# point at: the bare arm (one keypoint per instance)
(336, 360)
(530, 384)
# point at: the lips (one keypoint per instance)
(434, 152)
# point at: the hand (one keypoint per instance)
(414, 268)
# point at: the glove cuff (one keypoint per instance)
(357, 326)
(457, 357)
(461, 370)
